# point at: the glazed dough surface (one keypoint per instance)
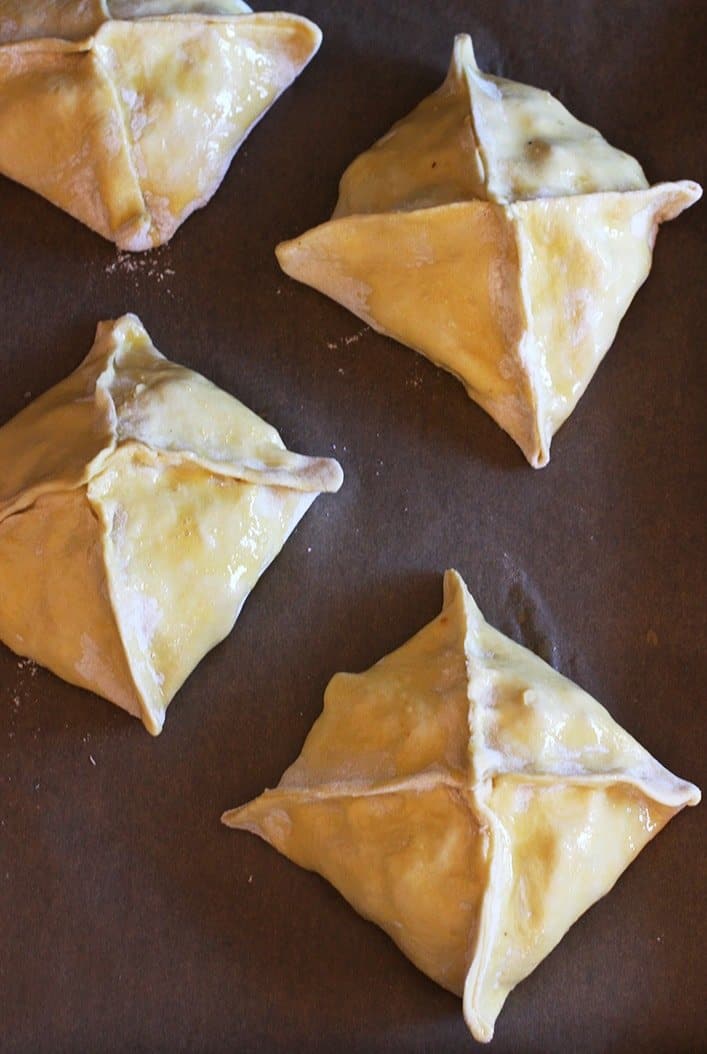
(497, 235)
(468, 799)
(153, 499)
(139, 107)
(483, 137)
(76, 19)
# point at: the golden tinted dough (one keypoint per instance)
(153, 502)
(138, 107)
(500, 237)
(76, 19)
(469, 800)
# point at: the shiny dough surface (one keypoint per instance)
(138, 107)
(153, 501)
(468, 799)
(497, 235)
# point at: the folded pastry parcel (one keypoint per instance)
(469, 800)
(500, 237)
(139, 505)
(127, 113)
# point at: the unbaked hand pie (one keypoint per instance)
(139, 505)
(469, 800)
(137, 108)
(500, 237)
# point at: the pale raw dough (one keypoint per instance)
(139, 505)
(137, 108)
(498, 236)
(468, 799)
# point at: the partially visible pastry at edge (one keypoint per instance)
(139, 506)
(500, 237)
(468, 799)
(127, 113)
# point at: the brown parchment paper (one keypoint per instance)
(130, 920)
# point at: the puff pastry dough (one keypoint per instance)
(469, 800)
(500, 237)
(137, 108)
(139, 505)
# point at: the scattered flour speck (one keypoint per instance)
(334, 345)
(153, 265)
(92, 759)
(415, 381)
(28, 665)
(355, 337)
(20, 692)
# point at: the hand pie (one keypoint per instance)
(137, 108)
(139, 505)
(495, 234)
(469, 800)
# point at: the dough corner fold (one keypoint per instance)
(138, 107)
(468, 799)
(139, 506)
(496, 234)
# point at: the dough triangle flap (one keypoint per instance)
(80, 157)
(57, 441)
(181, 414)
(125, 391)
(410, 860)
(55, 549)
(183, 549)
(606, 241)
(430, 279)
(404, 719)
(530, 145)
(570, 799)
(558, 848)
(192, 89)
(529, 722)
(78, 20)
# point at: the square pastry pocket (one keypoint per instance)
(139, 505)
(136, 108)
(497, 235)
(468, 799)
